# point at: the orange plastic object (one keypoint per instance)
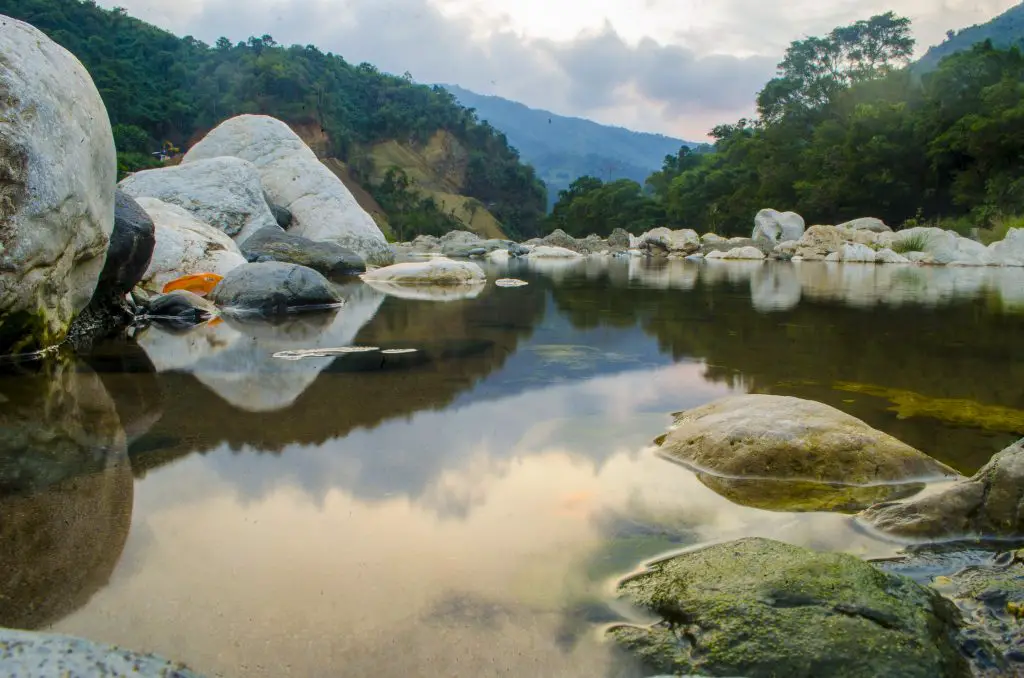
(198, 283)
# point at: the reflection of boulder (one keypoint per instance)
(774, 288)
(427, 292)
(236, 361)
(65, 493)
(770, 494)
(760, 607)
(130, 379)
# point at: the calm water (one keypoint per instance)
(463, 510)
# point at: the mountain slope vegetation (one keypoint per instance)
(161, 89)
(1006, 30)
(562, 148)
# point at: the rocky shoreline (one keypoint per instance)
(252, 225)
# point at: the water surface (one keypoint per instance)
(464, 509)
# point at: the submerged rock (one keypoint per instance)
(322, 207)
(772, 227)
(57, 174)
(757, 607)
(781, 437)
(990, 504)
(274, 288)
(331, 259)
(222, 192)
(47, 654)
(181, 308)
(185, 246)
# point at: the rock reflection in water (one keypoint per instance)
(65, 492)
(235, 359)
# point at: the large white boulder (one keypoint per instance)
(223, 192)
(185, 245)
(748, 252)
(684, 240)
(867, 224)
(943, 247)
(1010, 250)
(857, 253)
(321, 206)
(58, 170)
(772, 227)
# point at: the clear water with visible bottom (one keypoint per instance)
(466, 508)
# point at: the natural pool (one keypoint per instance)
(465, 509)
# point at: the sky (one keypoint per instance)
(678, 67)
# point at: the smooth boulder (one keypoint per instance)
(684, 241)
(321, 206)
(1010, 250)
(781, 437)
(437, 271)
(222, 192)
(757, 607)
(549, 252)
(331, 259)
(990, 504)
(867, 224)
(58, 169)
(181, 308)
(772, 227)
(131, 247)
(185, 246)
(274, 288)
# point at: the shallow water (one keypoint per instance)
(464, 509)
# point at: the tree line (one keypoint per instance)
(160, 88)
(846, 129)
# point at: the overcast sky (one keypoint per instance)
(673, 66)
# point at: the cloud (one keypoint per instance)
(676, 67)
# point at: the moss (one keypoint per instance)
(959, 411)
(799, 495)
(760, 607)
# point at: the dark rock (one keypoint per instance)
(274, 288)
(757, 607)
(282, 215)
(180, 308)
(130, 249)
(459, 249)
(331, 259)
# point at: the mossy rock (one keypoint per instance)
(757, 607)
(766, 436)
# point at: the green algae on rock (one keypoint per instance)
(757, 607)
(770, 494)
(781, 437)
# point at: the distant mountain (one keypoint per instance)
(1005, 30)
(562, 149)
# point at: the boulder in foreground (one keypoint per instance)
(990, 504)
(781, 437)
(322, 208)
(757, 607)
(274, 288)
(57, 174)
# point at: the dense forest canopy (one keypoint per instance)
(160, 88)
(847, 130)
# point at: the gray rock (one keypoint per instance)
(763, 608)
(58, 169)
(274, 288)
(477, 248)
(293, 177)
(619, 239)
(222, 192)
(559, 238)
(867, 224)
(990, 504)
(131, 247)
(331, 259)
(46, 654)
(772, 227)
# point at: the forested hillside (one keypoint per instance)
(563, 148)
(160, 88)
(1006, 30)
(846, 130)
